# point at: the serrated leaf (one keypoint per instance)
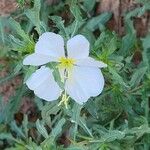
(34, 15)
(60, 25)
(78, 22)
(75, 10)
(17, 28)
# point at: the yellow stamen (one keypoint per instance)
(66, 63)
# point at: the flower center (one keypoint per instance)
(66, 63)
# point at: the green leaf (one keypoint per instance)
(139, 131)
(75, 148)
(34, 15)
(89, 4)
(21, 2)
(94, 23)
(49, 109)
(25, 125)
(13, 105)
(7, 136)
(17, 130)
(41, 129)
(60, 25)
(23, 43)
(28, 72)
(18, 67)
(116, 77)
(78, 22)
(82, 123)
(75, 10)
(75, 118)
(58, 128)
(111, 136)
(17, 28)
(146, 51)
(145, 42)
(2, 32)
(7, 78)
(129, 40)
(138, 76)
(91, 108)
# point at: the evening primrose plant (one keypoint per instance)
(80, 74)
(81, 85)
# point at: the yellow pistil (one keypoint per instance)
(64, 100)
(66, 63)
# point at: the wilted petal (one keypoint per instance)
(78, 47)
(84, 83)
(43, 84)
(90, 62)
(38, 59)
(50, 44)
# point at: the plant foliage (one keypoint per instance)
(118, 119)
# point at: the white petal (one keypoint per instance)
(43, 84)
(90, 62)
(84, 83)
(78, 47)
(50, 44)
(37, 59)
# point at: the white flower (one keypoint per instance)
(80, 73)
